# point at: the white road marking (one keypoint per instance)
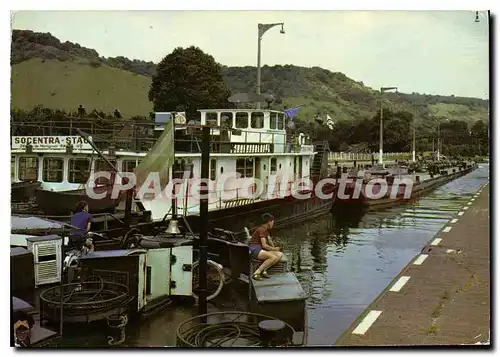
(469, 203)
(461, 213)
(466, 208)
(454, 220)
(447, 229)
(366, 323)
(420, 259)
(436, 241)
(400, 283)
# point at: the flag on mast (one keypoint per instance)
(161, 156)
(291, 112)
(329, 122)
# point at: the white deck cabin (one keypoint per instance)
(246, 142)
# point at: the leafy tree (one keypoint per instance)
(479, 129)
(188, 80)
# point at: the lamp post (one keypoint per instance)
(381, 147)
(439, 140)
(262, 29)
(413, 147)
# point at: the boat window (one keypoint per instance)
(257, 120)
(101, 165)
(273, 166)
(272, 120)
(226, 120)
(178, 169)
(79, 170)
(213, 167)
(12, 168)
(280, 121)
(240, 167)
(130, 165)
(28, 168)
(249, 167)
(242, 120)
(244, 167)
(211, 119)
(53, 169)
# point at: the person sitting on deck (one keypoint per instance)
(81, 219)
(262, 248)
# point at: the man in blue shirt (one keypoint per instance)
(81, 219)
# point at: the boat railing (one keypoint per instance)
(356, 156)
(233, 197)
(121, 134)
(103, 218)
(236, 141)
(141, 136)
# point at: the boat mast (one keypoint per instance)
(174, 199)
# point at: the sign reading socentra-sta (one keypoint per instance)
(49, 142)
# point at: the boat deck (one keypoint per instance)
(39, 335)
(280, 287)
(282, 297)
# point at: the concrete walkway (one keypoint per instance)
(443, 296)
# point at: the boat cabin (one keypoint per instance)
(253, 143)
(236, 131)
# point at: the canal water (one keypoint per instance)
(343, 263)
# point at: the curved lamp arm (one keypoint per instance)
(265, 27)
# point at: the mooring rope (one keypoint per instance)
(123, 322)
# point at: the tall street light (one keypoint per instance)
(262, 30)
(381, 150)
(439, 139)
(413, 146)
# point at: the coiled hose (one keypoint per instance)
(220, 334)
(210, 335)
(81, 300)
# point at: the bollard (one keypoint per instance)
(417, 178)
(344, 169)
(271, 332)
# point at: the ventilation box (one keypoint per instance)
(47, 258)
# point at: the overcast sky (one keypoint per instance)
(443, 52)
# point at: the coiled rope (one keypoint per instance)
(232, 333)
(210, 335)
(111, 320)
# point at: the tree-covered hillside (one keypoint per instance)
(60, 76)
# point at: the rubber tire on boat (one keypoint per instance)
(220, 272)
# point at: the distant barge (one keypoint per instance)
(362, 200)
